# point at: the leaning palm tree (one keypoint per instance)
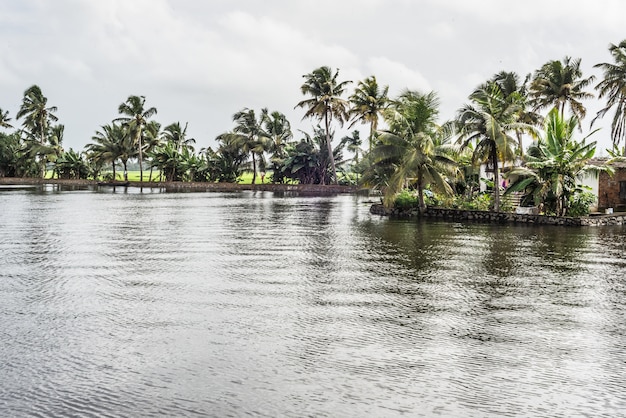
(613, 87)
(557, 84)
(369, 101)
(325, 102)
(136, 117)
(487, 124)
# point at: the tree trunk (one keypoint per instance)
(253, 168)
(330, 150)
(140, 158)
(114, 178)
(496, 181)
(521, 146)
(420, 195)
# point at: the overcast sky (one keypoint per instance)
(202, 61)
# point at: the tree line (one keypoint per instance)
(407, 149)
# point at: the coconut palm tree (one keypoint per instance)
(325, 102)
(487, 124)
(613, 87)
(111, 143)
(253, 140)
(37, 116)
(176, 142)
(413, 148)
(226, 163)
(561, 83)
(278, 131)
(516, 92)
(5, 119)
(368, 101)
(136, 118)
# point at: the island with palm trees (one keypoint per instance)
(476, 162)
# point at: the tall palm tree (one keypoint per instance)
(516, 92)
(325, 102)
(253, 138)
(561, 83)
(613, 87)
(368, 101)
(37, 116)
(136, 117)
(488, 123)
(413, 147)
(4, 119)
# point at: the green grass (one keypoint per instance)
(133, 175)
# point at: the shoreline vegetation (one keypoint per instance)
(478, 160)
(197, 186)
(456, 215)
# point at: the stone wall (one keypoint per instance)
(502, 217)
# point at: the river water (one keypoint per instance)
(145, 303)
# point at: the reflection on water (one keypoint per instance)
(138, 302)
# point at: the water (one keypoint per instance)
(128, 303)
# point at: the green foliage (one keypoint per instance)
(479, 201)
(406, 199)
(579, 203)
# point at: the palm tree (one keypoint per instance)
(136, 117)
(487, 123)
(558, 84)
(253, 140)
(278, 131)
(110, 144)
(556, 163)
(613, 87)
(37, 116)
(516, 93)
(325, 102)
(413, 147)
(4, 119)
(226, 163)
(176, 139)
(369, 101)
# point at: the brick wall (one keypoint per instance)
(608, 189)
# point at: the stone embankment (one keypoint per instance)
(502, 217)
(313, 189)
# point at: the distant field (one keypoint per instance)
(246, 178)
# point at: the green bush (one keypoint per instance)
(406, 199)
(579, 203)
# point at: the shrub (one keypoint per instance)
(579, 203)
(406, 199)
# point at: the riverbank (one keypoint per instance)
(317, 189)
(459, 215)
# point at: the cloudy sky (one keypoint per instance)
(201, 61)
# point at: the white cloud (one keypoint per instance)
(202, 61)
